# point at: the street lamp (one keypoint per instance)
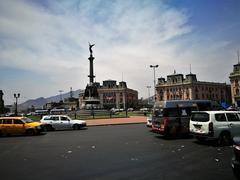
(126, 102)
(148, 94)
(16, 96)
(154, 67)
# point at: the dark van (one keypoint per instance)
(171, 118)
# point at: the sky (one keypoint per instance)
(44, 44)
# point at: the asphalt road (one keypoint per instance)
(111, 152)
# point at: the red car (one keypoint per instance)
(236, 158)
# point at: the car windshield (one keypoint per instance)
(27, 120)
(157, 113)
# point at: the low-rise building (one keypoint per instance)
(176, 87)
(113, 95)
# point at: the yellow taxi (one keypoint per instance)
(19, 126)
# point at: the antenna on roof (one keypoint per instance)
(122, 76)
(190, 69)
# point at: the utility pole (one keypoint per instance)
(154, 77)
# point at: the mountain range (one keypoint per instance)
(38, 103)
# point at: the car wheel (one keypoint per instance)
(49, 128)
(30, 132)
(225, 139)
(200, 139)
(76, 127)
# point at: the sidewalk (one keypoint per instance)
(117, 121)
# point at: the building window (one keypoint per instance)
(196, 96)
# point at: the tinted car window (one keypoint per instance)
(1, 121)
(232, 117)
(27, 120)
(171, 112)
(54, 118)
(64, 118)
(17, 121)
(7, 121)
(220, 117)
(158, 112)
(200, 117)
(47, 118)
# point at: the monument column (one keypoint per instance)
(91, 75)
(91, 97)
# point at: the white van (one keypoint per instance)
(215, 125)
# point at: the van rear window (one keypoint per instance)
(200, 117)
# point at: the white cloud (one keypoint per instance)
(53, 41)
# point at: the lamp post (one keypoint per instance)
(16, 96)
(126, 102)
(154, 67)
(148, 94)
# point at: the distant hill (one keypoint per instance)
(40, 102)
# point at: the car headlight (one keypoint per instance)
(38, 127)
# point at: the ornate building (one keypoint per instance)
(113, 95)
(235, 88)
(176, 87)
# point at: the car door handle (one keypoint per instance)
(231, 124)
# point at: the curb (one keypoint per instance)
(115, 124)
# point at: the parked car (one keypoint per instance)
(171, 118)
(60, 122)
(19, 126)
(130, 109)
(149, 121)
(236, 158)
(215, 125)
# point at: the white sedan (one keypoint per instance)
(61, 122)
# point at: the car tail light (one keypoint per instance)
(237, 147)
(165, 122)
(210, 129)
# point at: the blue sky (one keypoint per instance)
(44, 44)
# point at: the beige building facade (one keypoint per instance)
(176, 87)
(235, 84)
